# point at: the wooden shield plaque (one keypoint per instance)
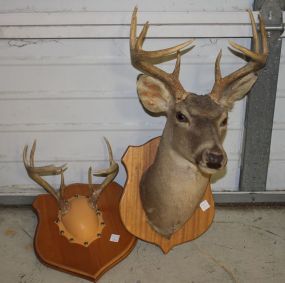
(136, 160)
(113, 244)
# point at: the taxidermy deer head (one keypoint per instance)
(79, 219)
(191, 147)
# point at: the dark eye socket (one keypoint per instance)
(181, 117)
(224, 122)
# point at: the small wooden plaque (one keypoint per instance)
(89, 262)
(136, 160)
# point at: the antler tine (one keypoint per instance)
(218, 73)
(32, 155)
(254, 32)
(62, 184)
(111, 158)
(257, 59)
(141, 59)
(141, 37)
(176, 70)
(90, 183)
(110, 174)
(158, 54)
(133, 30)
(263, 35)
(63, 204)
(112, 171)
(25, 152)
(252, 55)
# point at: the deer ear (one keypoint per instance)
(237, 90)
(153, 94)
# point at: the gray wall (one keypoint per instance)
(68, 93)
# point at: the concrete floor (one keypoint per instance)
(242, 245)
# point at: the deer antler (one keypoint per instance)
(141, 59)
(110, 174)
(36, 174)
(257, 59)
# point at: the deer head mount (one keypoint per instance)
(191, 145)
(79, 218)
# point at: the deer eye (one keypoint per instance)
(181, 117)
(224, 122)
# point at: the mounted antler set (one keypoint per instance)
(238, 82)
(241, 81)
(79, 218)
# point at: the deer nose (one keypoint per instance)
(214, 160)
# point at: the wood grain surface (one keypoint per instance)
(136, 160)
(87, 262)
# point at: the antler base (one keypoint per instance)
(81, 224)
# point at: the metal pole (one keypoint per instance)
(260, 105)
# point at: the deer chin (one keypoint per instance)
(206, 170)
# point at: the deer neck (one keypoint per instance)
(185, 172)
(171, 189)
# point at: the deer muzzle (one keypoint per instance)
(212, 160)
